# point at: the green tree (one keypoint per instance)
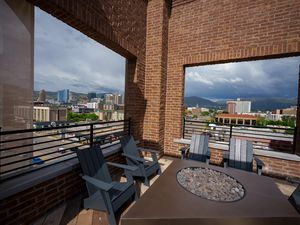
(205, 113)
(76, 117)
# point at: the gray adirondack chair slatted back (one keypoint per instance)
(129, 147)
(93, 164)
(241, 154)
(199, 147)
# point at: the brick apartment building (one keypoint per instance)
(236, 119)
(159, 39)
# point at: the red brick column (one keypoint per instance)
(156, 73)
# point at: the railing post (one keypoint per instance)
(183, 127)
(294, 140)
(230, 134)
(91, 135)
(129, 126)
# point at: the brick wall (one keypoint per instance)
(30, 204)
(119, 25)
(205, 32)
(280, 168)
(156, 73)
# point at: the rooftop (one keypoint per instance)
(242, 116)
(71, 212)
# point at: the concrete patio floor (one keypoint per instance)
(71, 213)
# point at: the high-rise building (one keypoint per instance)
(109, 98)
(231, 107)
(63, 96)
(238, 106)
(42, 96)
(118, 99)
(91, 95)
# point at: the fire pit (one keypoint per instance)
(210, 184)
(167, 201)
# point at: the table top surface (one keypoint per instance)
(166, 200)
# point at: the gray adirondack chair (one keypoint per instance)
(240, 156)
(104, 194)
(198, 149)
(132, 154)
(295, 196)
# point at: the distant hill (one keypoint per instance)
(264, 104)
(257, 104)
(201, 102)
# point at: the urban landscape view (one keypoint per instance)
(65, 107)
(152, 112)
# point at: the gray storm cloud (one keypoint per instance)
(66, 58)
(262, 78)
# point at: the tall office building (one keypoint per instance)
(109, 98)
(91, 95)
(118, 99)
(63, 96)
(238, 106)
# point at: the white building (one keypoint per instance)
(48, 113)
(238, 106)
(274, 117)
(92, 105)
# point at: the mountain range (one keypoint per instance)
(257, 104)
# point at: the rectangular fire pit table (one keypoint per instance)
(167, 202)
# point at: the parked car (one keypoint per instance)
(61, 150)
(37, 161)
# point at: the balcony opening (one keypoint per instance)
(255, 100)
(78, 99)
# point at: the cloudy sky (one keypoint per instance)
(263, 78)
(66, 58)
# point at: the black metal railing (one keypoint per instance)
(264, 138)
(22, 151)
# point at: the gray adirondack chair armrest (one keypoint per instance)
(154, 153)
(259, 165)
(208, 153)
(292, 180)
(259, 162)
(98, 183)
(148, 150)
(225, 158)
(127, 169)
(184, 151)
(122, 166)
(137, 159)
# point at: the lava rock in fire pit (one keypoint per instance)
(210, 184)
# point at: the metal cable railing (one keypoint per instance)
(264, 138)
(23, 151)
